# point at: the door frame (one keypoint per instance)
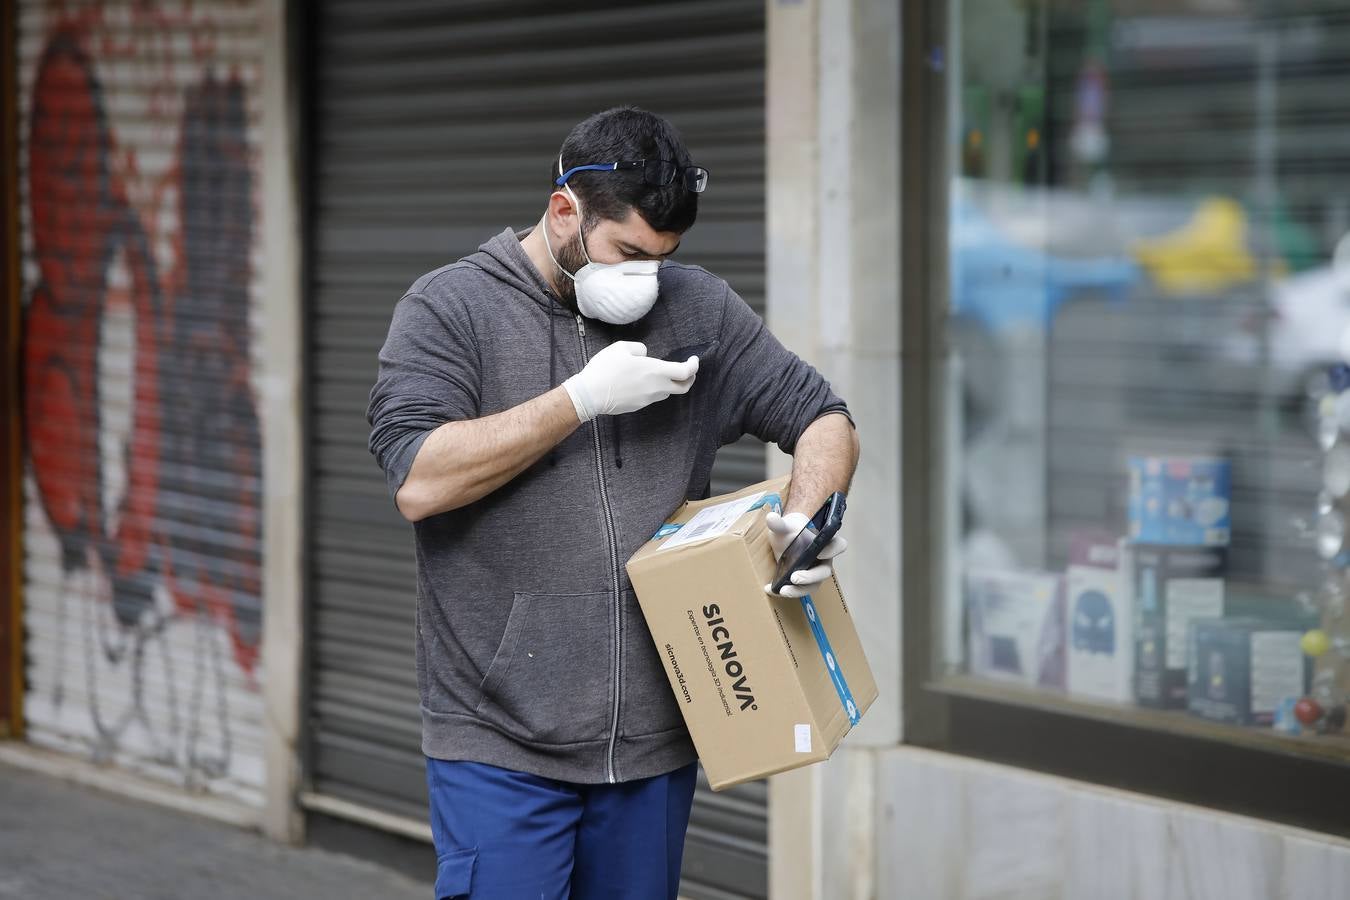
(11, 460)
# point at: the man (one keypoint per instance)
(541, 406)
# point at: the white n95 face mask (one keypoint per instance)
(617, 293)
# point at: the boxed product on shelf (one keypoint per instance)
(1172, 587)
(1243, 669)
(1180, 500)
(1016, 626)
(1099, 621)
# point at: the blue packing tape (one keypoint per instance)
(769, 499)
(827, 653)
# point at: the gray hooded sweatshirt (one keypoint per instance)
(532, 653)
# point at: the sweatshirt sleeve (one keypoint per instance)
(765, 389)
(429, 375)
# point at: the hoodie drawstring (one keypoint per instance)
(552, 366)
(553, 382)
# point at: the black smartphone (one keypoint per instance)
(804, 551)
(680, 354)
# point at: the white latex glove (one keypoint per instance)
(622, 378)
(782, 529)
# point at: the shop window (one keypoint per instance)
(1137, 333)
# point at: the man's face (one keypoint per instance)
(611, 241)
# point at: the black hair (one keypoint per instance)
(618, 135)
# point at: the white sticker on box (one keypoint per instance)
(711, 521)
(802, 736)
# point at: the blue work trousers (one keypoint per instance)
(505, 835)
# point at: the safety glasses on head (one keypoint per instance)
(658, 172)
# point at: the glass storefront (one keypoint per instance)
(1145, 316)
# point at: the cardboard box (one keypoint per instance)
(1180, 501)
(766, 684)
(1242, 670)
(1173, 586)
(1016, 626)
(1099, 622)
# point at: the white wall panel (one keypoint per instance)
(961, 829)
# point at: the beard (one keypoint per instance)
(570, 259)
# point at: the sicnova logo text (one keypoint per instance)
(721, 637)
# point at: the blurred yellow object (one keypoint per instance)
(1326, 407)
(1206, 255)
(1315, 642)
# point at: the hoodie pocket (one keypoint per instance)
(551, 678)
(649, 705)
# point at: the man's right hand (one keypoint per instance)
(622, 378)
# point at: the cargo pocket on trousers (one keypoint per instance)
(454, 874)
(550, 680)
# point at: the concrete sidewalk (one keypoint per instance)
(60, 841)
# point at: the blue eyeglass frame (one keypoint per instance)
(693, 175)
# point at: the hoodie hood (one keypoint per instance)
(502, 257)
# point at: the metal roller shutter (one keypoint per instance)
(140, 177)
(433, 129)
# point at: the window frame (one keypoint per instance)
(1159, 753)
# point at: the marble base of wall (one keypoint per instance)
(950, 828)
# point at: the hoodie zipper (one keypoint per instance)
(613, 567)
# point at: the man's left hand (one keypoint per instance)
(782, 529)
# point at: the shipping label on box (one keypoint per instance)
(765, 684)
(1016, 626)
(1099, 611)
(1242, 670)
(1173, 586)
(1180, 501)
